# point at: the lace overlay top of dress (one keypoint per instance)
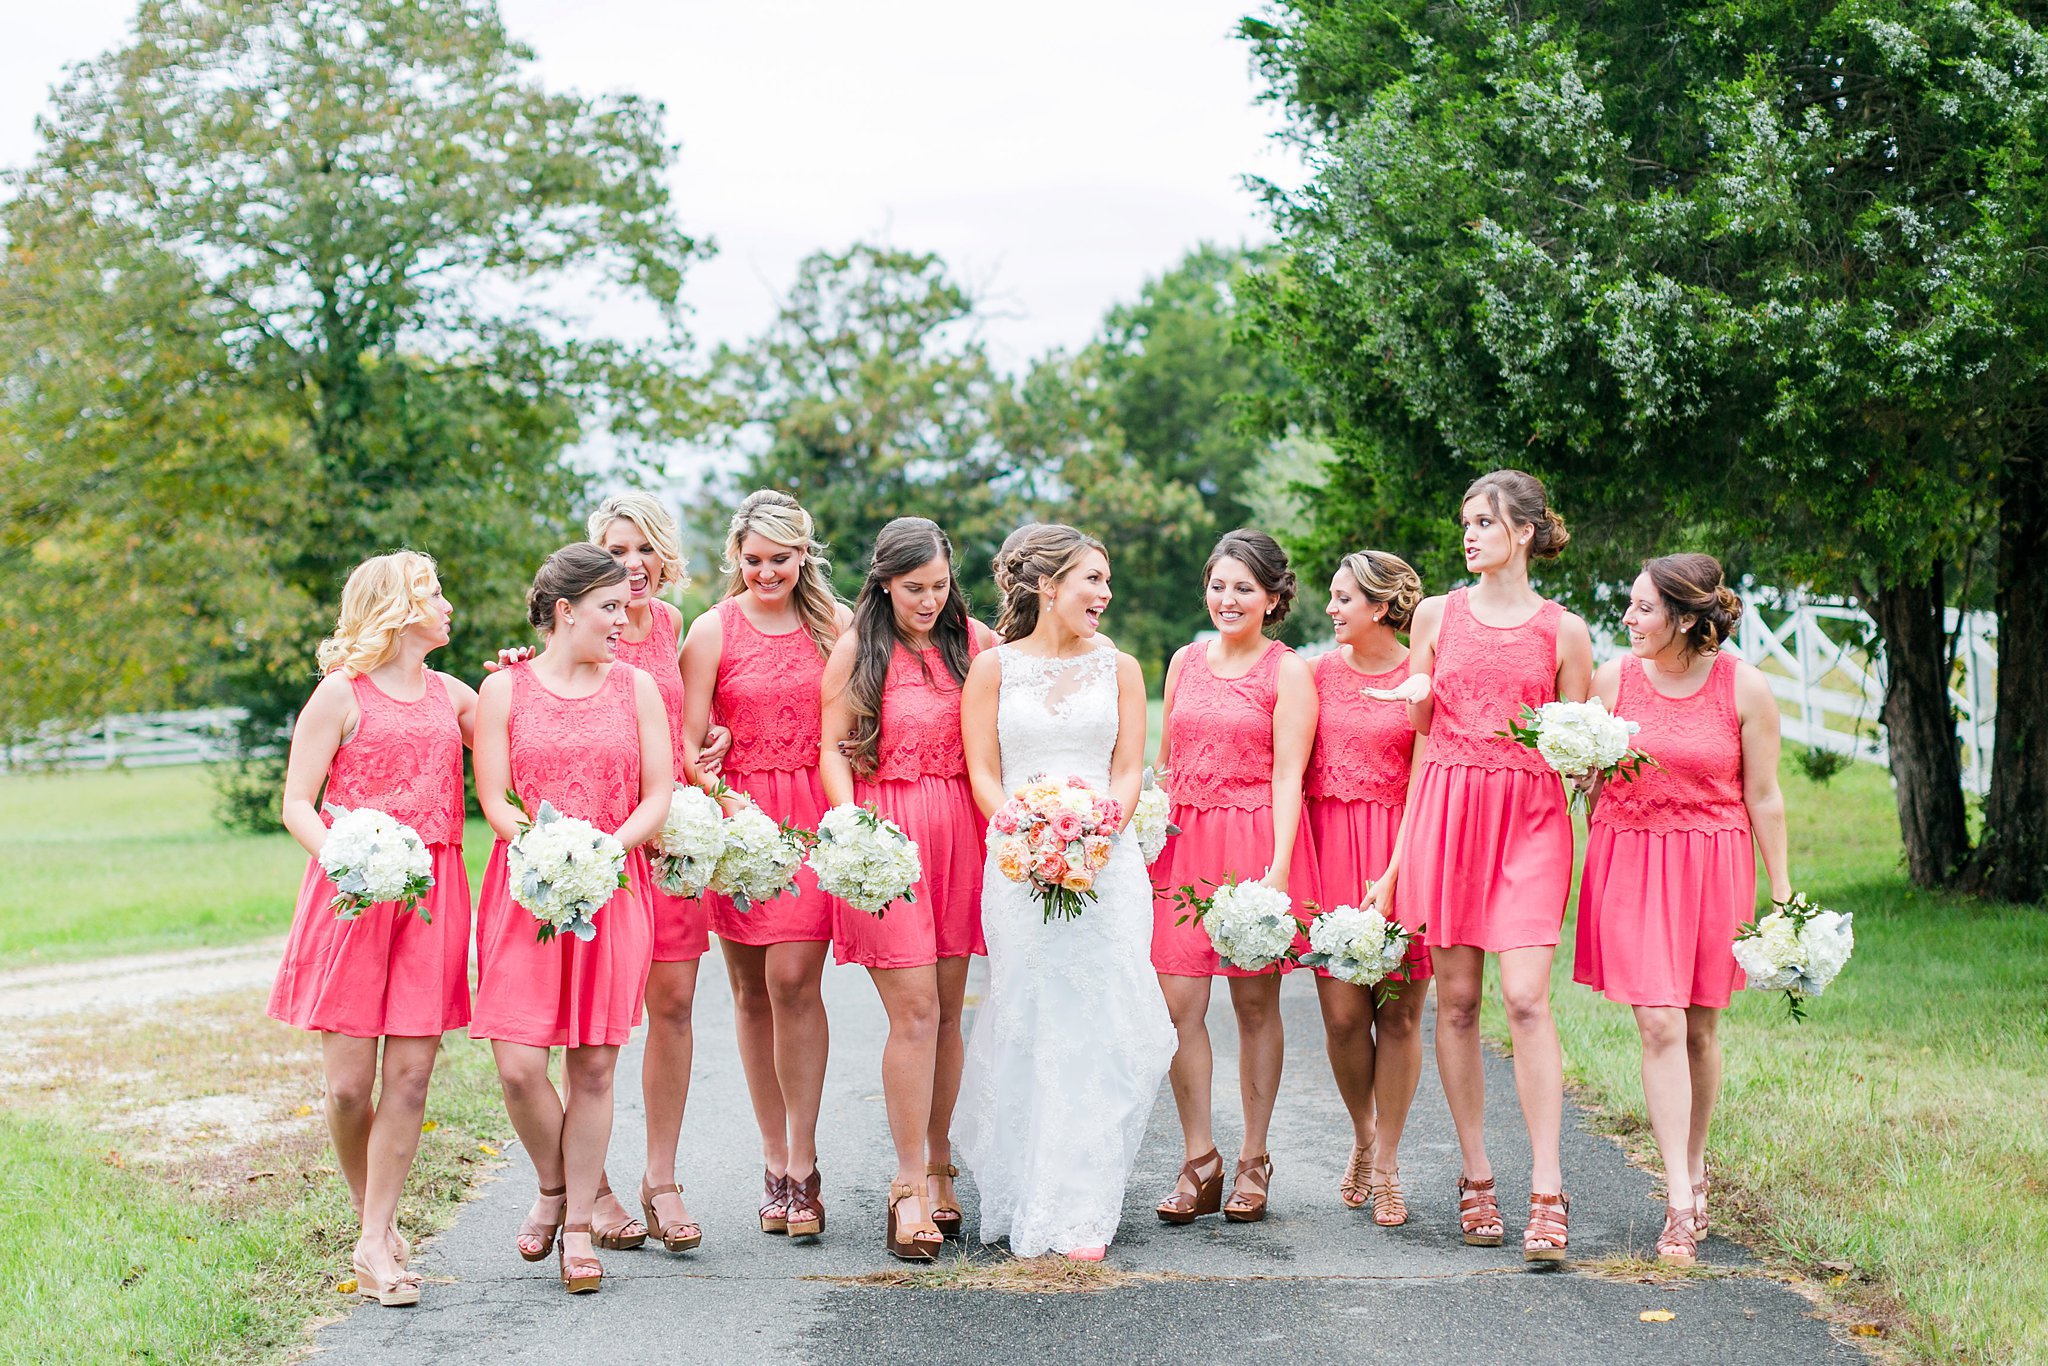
(769, 694)
(657, 658)
(1697, 743)
(1220, 732)
(920, 717)
(1483, 677)
(582, 754)
(405, 759)
(1363, 748)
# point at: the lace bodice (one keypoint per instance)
(1363, 747)
(405, 759)
(581, 754)
(656, 657)
(769, 694)
(1697, 743)
(1057, 717)
(1482, 678)
(920, 720)
(1220, 732)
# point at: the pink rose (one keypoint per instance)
(1075, 780)
(1051, 867)
(1108, 813)
(1006, 818)
(1068, 825)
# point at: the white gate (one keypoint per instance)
(136, 740)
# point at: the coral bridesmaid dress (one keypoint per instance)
(1670, 871)
(581, 755)
(387, 971)
(681, 923)
(921, 783)
(769, 694)
(1357, 787)
(1221, 786)
(1489, 861)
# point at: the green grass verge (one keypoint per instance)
(127, 861)
(1903, 1129)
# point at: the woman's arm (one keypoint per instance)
(978, 731)
(1574, 659)
(328, 718)
(1164, 763)
(462, 697)
(1606, 687)
(701, 762)
(657, 766)
(1381, 898)
(1127, 760)
(835, 770)
(701, 651)
(492, 755)
(1294, 735)
(1758, 711)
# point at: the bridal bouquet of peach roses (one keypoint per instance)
(1056, 839)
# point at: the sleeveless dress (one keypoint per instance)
(681, 924)
(1221, 785)
(1357, 788)
(387, 971)
(769, 694)
(921, 783)
(582, 755)
(1489, 861)
(1670, 871)
(1072, 1038)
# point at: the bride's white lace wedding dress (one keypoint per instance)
(1072, 1039)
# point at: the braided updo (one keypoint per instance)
(1033, 560)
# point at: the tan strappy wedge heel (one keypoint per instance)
(1355, 1190)
(1254, 1182)
(547, 1235)
(909, 1241)
(1678, 1244)
(945, 1206)
(1479, 1210)
(1389, 1207)
(1547, 1238)
(681, 1236)
(580, 1275)
(1181, 1208)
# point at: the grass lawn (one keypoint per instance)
(1895, 1146)
(125, 861)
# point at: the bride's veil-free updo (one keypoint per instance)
(1033, 560)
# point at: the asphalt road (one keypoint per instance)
(1315, 1282)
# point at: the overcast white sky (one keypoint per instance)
(1056, 153)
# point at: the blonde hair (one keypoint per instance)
(1389, 579)
(646, 512)
(775, 516)
(1035, 558)
(383, 596)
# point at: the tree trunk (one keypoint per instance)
(2011, 862)
(1920, 730)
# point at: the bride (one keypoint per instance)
(1072, 1040)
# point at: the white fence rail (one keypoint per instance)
(137, 740)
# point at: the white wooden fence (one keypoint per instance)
(137, 740)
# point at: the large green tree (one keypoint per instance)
(284, 289)
(1758, 276)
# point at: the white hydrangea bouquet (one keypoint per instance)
(1798, 948)
(687, 849)
(1577, 738)
(760, 858)
(562, 870)
(1250, 925)
(1149, 822)
(865, 859)
(370, 857)
(1363, 948)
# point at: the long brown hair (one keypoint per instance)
(901, 548)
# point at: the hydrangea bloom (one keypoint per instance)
(371, 858)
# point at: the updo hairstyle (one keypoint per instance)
(1386, 578)
(1693, 586)
(567, 575)
(1033, 560)
(1520, 500)
(1261, 554)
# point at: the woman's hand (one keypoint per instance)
(1276, 877)
(711, 755)
(517, 654)
(1413, 690)
(1380, 900)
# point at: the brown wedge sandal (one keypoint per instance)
(1699, 1206)
(1182, 1208)
(1355, 1190)
(1678, 1244)
(623, 1236)
(1389, 1208)
(580, 1275)
(945, 1206)
(806, 1210)
(774, 1203)
(683, 1234)
(545, 1237)
(1548, 1235)
(1479, 1211)
(1249, 1206)
(907, 1240)
(403, 1289)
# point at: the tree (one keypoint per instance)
(1761, 276)
(278, 299)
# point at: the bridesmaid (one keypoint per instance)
(1488, 841)
(381, 730)
(1358, 776)
(1669, 870)
(759, 658)
(893, 683)
(578, 730)
(1240, 721)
